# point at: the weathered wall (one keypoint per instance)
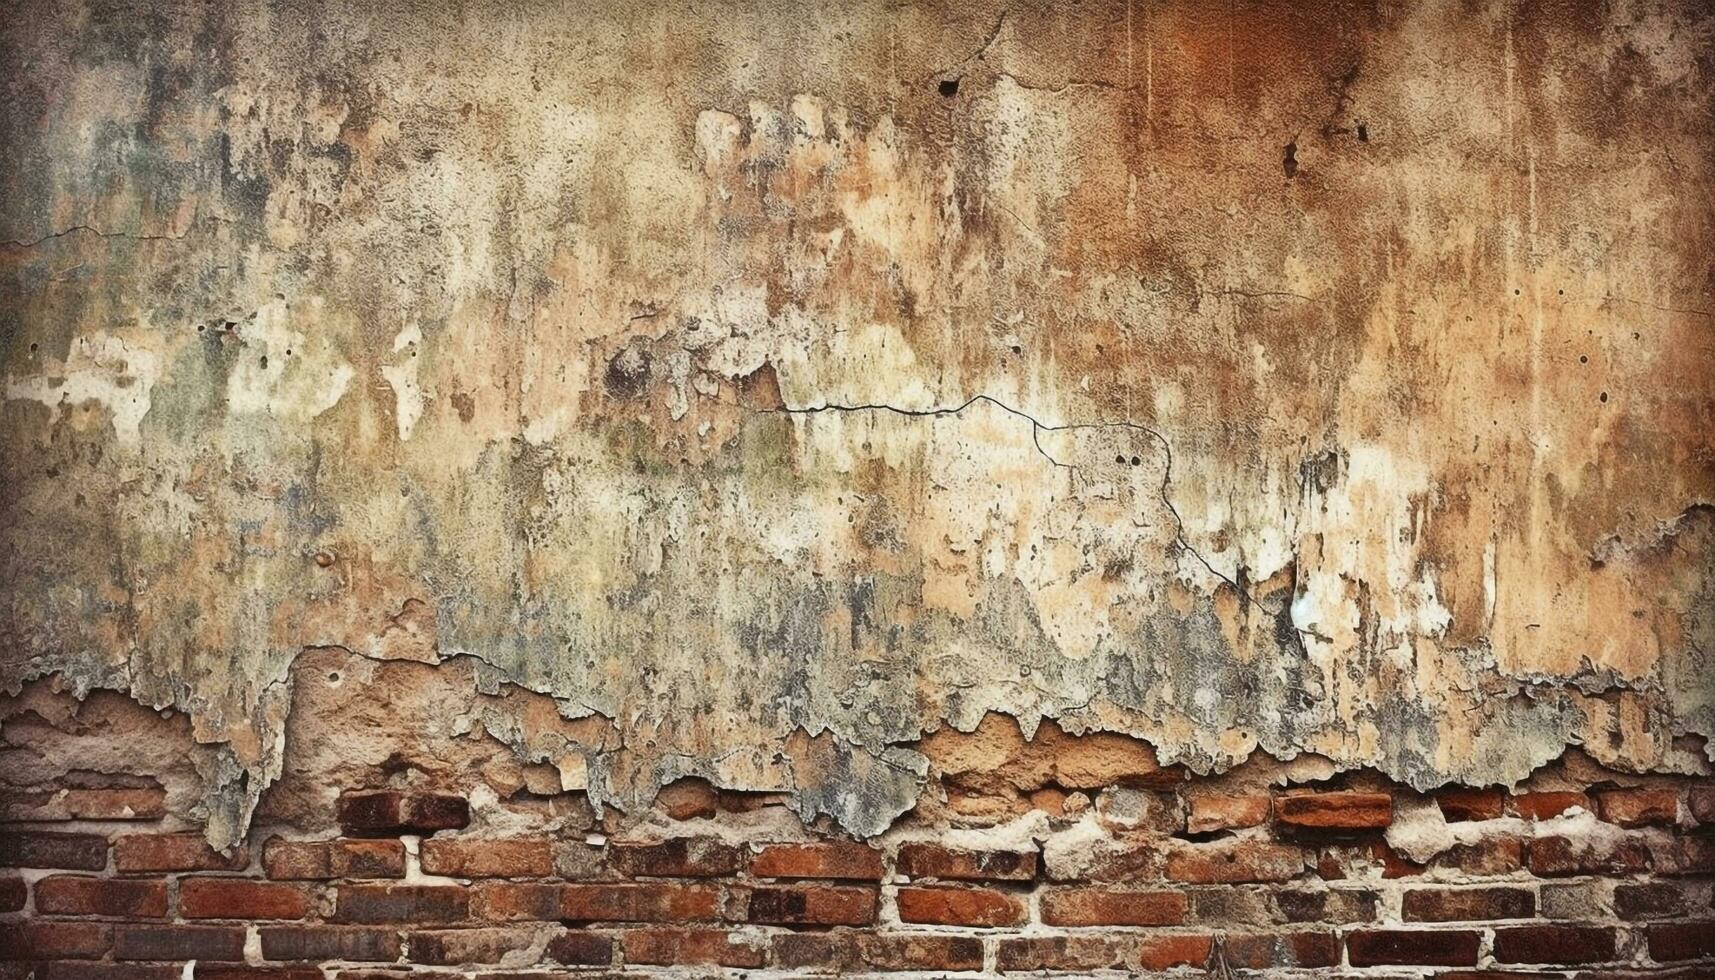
(747, 392)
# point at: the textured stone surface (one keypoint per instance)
(790, 382)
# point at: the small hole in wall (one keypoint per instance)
(264, 362)
(333, 677)
(34, 347)
(1120, 460)
(1603, 397)
(1135, 461)
(1204, 837)
(1583, 358)
(948, 88)
(1363, 133)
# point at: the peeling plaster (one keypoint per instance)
(758, 415)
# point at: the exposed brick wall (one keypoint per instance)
(1186, 876)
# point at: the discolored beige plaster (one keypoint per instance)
(1321, 378)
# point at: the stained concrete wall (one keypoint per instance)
(745, 391)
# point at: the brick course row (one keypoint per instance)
(1296, 879)
(1522, 946)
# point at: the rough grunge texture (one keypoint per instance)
(891, 416)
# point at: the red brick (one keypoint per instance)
(54, 940)
(1554, 857)
(1642, 807)
(823, 905)
(1413, 947)
(1654, 900)
(226, 971)
(1106, 907)
(1068, 954)
(85, 970)
(339, 858)
(1468, 904)
(413, 904)
(1460, 804)
(1554, 944)
(1309, 949)
(1166, 952)
(688, 799)
(463, 857)
(960, 907)
(834, 859)
(12, 893)
(1489, 856)
(681, 857)
(175, 852)
(841, 952)
(79, 895)
(1125, 859)
(450, 947)
(1236, 860)
(510, 902)
(661, 902)
(240, 898)
(691, 947)
(223, 943)
(1334, 811)
(1694, 856)
(112, 803)
(1301, 949)
(575, 947)
(389, 813)
(42, 849)
(1701, 802)
(1542, 806)
(957, 954)
(1395, 864)
(360, 944)
(1225, 811)
(1345, 905)
(1224, 906)
(1670, 941)
(934, 861)
(522, 974)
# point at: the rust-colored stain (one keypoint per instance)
(744, 393)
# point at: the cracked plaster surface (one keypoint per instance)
(764, 388)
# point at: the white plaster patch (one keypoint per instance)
(103, 368)
(402, 376)
(1419, 830)
(283, 372)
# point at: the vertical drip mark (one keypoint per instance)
(1508, 65)
(1537, 435)
(1232, 87)
(1131, 122)
(1148, 69)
